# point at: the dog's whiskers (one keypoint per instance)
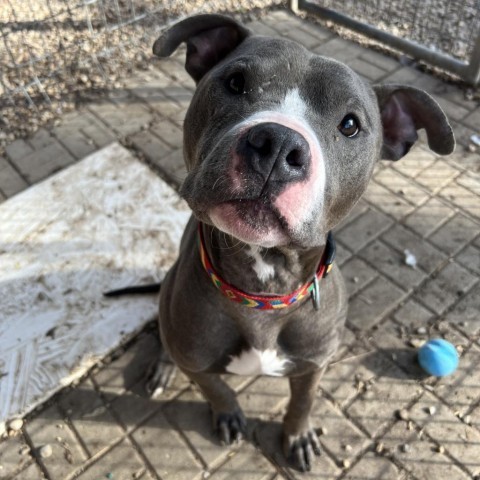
(219, 179)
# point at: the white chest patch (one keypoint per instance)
(264, 270)
(256, 362)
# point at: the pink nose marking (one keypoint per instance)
(234, 174)
(295, 202)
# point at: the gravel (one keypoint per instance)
(57, 54)
(16, 424)
(406, 448)
(403, 414)
(45, 451)
(449, 26)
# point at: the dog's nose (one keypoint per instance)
(277, 152)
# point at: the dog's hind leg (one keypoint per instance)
(160, 374)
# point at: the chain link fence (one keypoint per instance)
(448, 26)
(443, 33)
(53, 53)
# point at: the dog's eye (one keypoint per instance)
(349, 126)
(236, 83)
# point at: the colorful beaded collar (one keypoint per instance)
(271, 302)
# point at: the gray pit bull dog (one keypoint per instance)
(280, 144)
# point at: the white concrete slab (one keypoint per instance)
(105, 222)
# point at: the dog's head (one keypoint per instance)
(280, 143)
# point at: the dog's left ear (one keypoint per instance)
(404, 110)
(209, 38)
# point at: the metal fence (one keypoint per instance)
(52, 52)
(55, 52)
(443, 33)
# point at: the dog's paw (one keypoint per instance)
(160, 376)
(230, 427)
(300, 450)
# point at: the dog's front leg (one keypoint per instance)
(228, 419)
(300, 441)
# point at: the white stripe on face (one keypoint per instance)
(293, 105)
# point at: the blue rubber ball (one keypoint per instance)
(438, 357)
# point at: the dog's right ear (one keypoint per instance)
(404, 110)
(209, 38)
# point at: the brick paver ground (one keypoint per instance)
(105, 427)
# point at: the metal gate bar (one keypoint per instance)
(469, 72)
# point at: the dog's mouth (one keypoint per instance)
(255, 210)
(253, 221)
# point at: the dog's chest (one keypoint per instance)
(252, 361)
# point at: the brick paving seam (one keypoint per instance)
(439, 267)
(431, 195)
(373, 440)
(408, 293)
(94, 459)
(413, 183)
(406, 297)
(344, 408)
(174, 426)
(452, 458)
(34, 454)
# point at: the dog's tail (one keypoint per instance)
(135, 290)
